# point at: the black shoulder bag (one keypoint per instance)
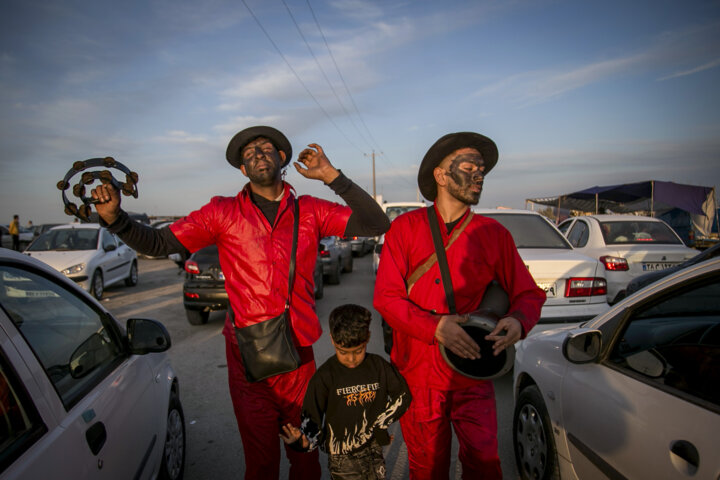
(267, 347)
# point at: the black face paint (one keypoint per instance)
(464, 180)
(262, 168)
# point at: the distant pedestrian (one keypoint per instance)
(14, 231)
(350, 401)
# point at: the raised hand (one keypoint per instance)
(313, 163)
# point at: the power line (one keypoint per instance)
(298, 77)
(317, 62)
(352, 100)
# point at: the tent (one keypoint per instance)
(656, 198)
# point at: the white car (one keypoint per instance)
(574, 283)
(81, 396)
(88, 254)
(627, 245)
(25, 237)
(631, 394)
(392, 210)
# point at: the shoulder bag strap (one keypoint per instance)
(427, 264)
(441, 258)
(291, 279)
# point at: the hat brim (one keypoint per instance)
(242, 138)
(444, 147)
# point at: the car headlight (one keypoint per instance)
(75, 269)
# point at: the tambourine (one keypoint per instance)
(128, 187)
(482, 322)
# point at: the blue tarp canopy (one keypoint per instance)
(653, 196)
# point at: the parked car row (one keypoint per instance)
(204, 285)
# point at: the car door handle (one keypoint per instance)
(96, 436)
(685, 456)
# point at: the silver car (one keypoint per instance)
(634, 393)
(81, 396)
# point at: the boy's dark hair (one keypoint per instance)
(350, 325)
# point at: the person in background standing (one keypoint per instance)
(14, 231)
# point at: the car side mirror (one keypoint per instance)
(109, 248)
(582, 346)
(147, 336)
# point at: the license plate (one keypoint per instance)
(548, 287)
(651, 267)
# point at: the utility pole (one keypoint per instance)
(373, 173)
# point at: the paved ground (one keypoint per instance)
(214, 450)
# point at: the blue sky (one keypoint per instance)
(574, 93)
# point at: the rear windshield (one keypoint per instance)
(531, 231)
(640, 232)
(207, 254)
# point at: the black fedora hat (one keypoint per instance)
(444, 147)
(243, 137)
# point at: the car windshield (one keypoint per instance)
(393, 212)
(530, 231)
(638, 232)
(66, 239)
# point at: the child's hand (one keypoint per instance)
(292, 434)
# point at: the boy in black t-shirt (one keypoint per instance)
(350, 401)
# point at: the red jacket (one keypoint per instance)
(484, 251)
(255, 256)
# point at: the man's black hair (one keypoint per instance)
(350, 325)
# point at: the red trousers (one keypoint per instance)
(261, 409)
(426, 429)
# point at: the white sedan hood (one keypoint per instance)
(62, 260)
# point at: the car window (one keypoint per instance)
(530, 231)
(579, 234)
(76, 344)
(675, 341)
(20, 423)
(394, 212)
(207, 254)
(638, 232)
(564, 226)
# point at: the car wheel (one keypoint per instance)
(535, 452)
(348, 264)
(334, 277)
(197, 317)
(97, 287)
(132, 278)
(173, 461)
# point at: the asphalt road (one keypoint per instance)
(214, 449)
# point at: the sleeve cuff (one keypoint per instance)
(122, 222)
(341, 184)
